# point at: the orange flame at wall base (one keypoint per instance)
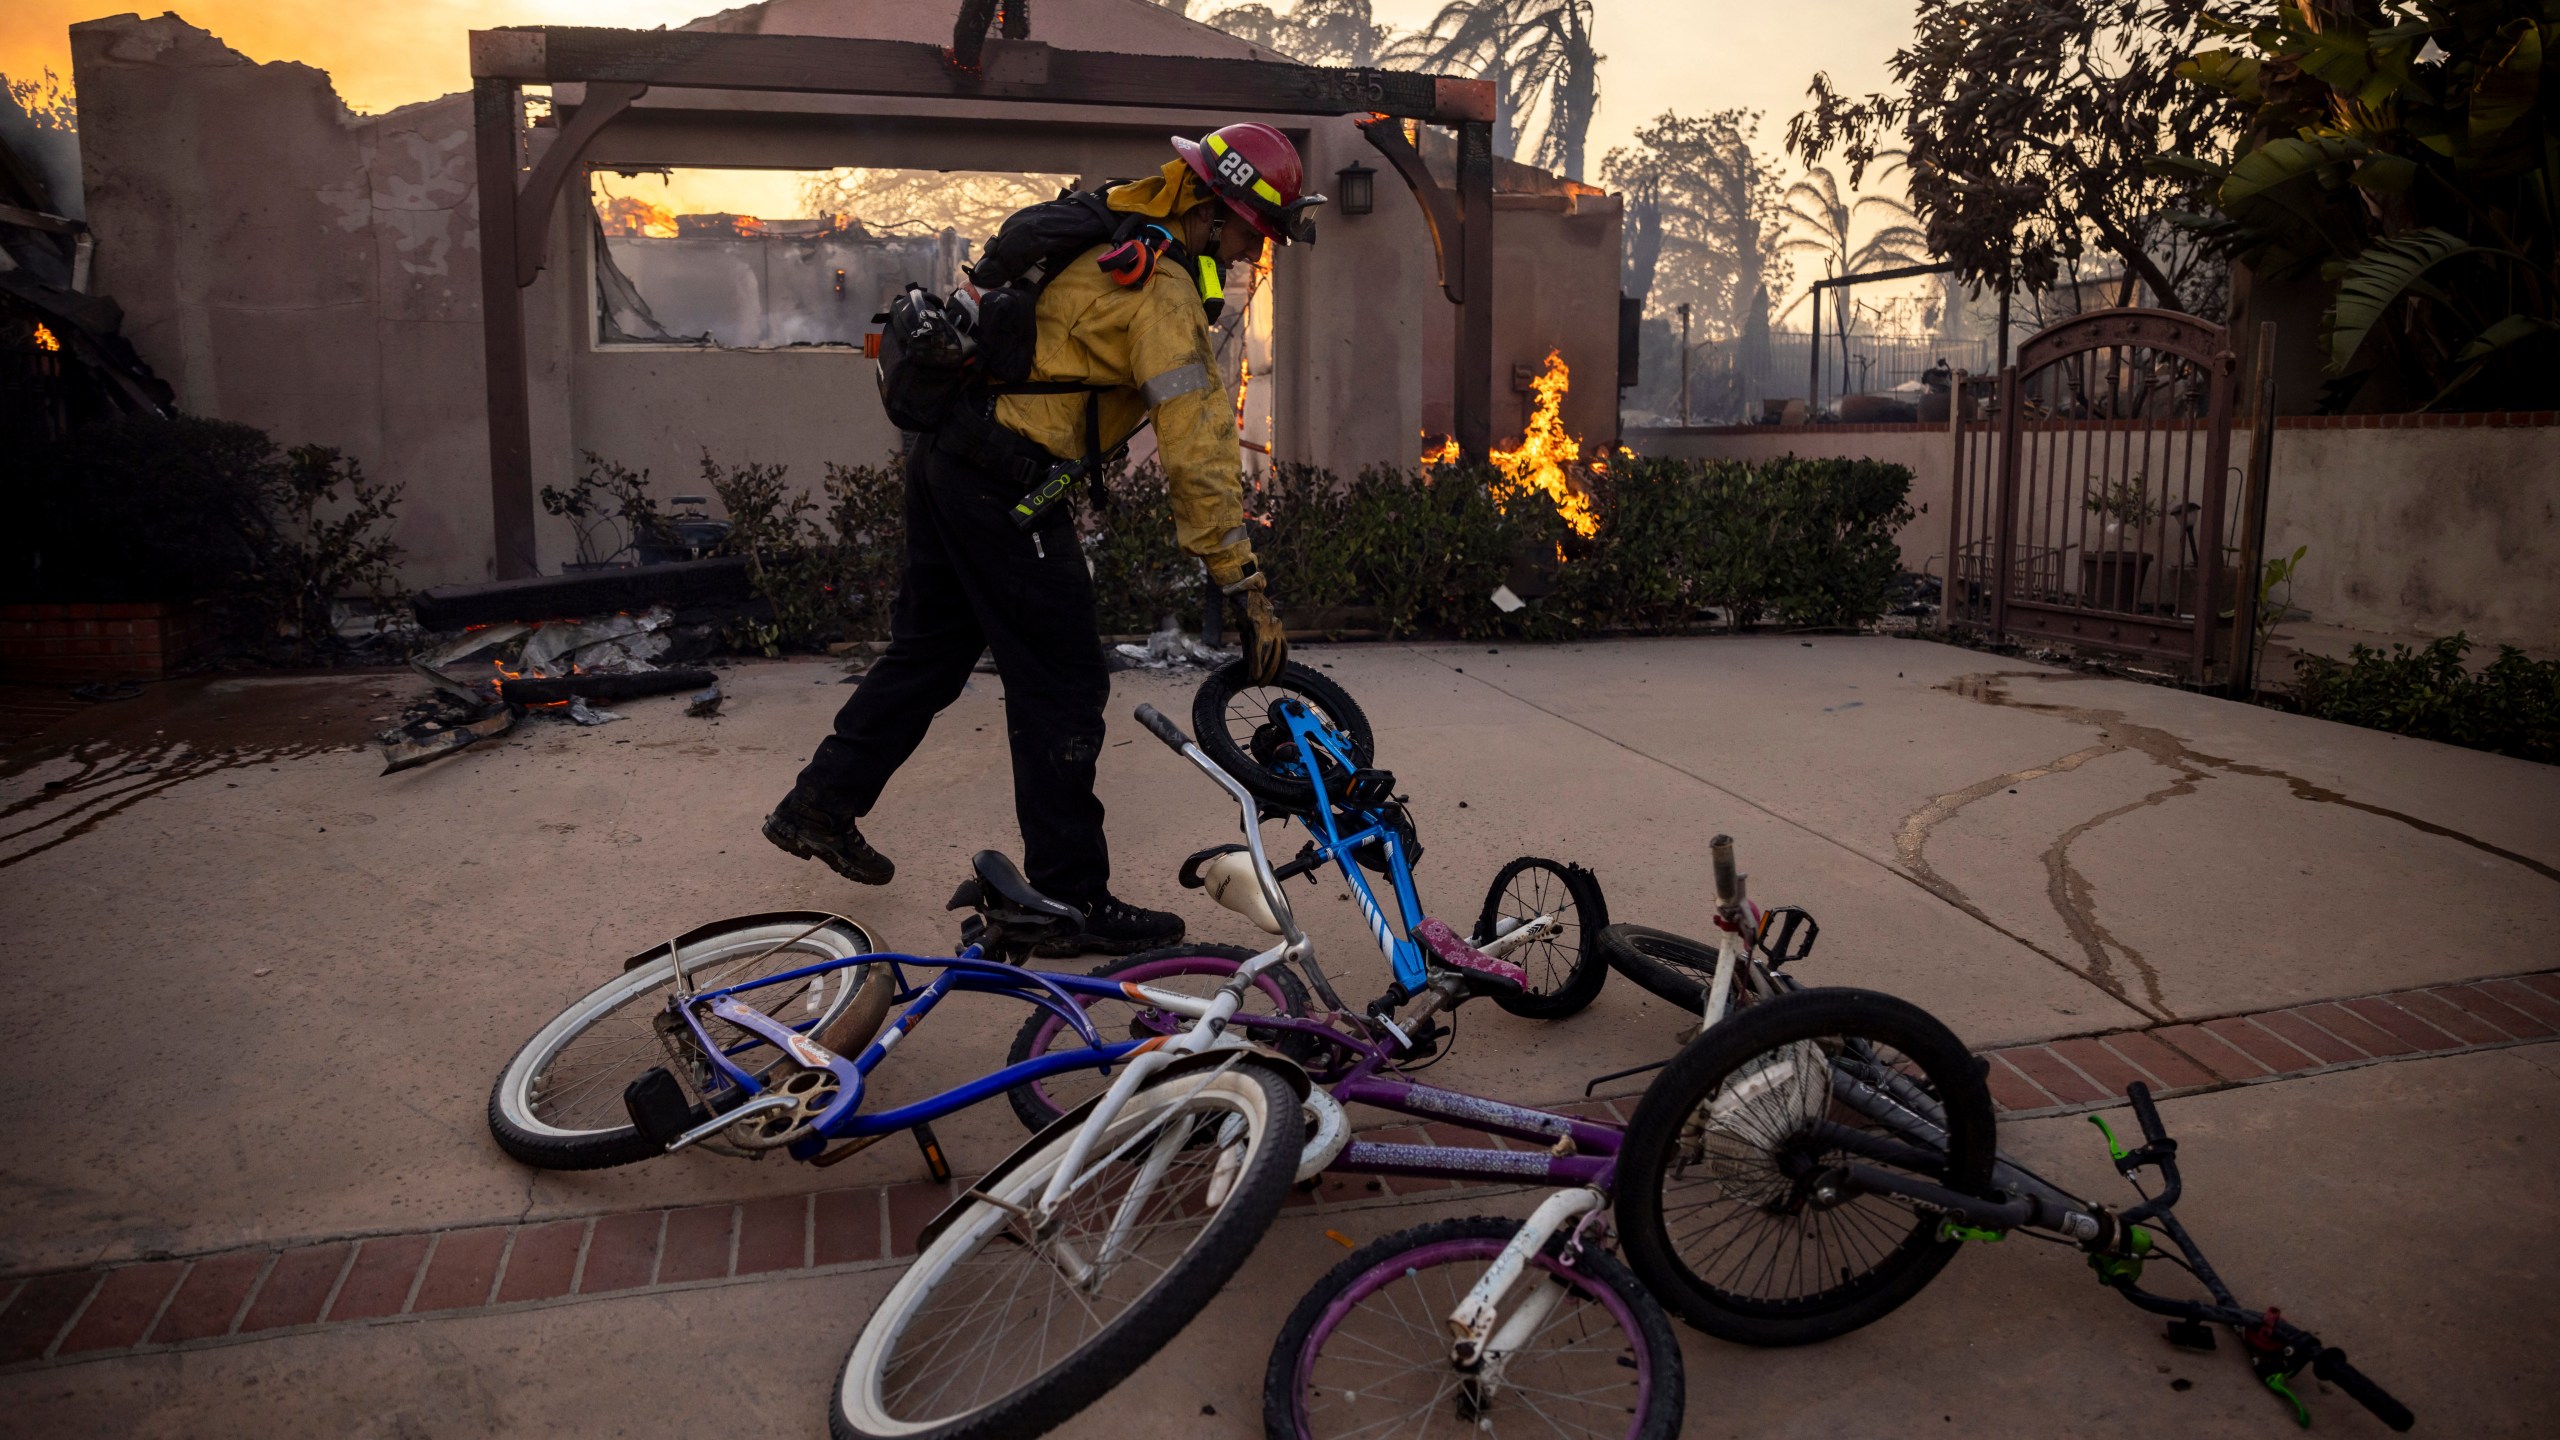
(1539, 461)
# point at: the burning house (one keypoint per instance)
(285, 262)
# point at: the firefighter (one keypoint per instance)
(1116, 347)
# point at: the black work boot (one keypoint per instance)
(1115, 927)
(802, 826)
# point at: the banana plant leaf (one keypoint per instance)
(2375, 281)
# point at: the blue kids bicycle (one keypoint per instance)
(1058, 1272)
(1305, 750)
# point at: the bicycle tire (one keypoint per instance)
(604, 1137)
(1036, 1103)
(1670, 967)
(1153, 1315)
(1389, 1265)
(1561, 981)
(1225, 701)
(1759, 1052)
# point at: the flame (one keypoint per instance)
(44, 338)
(1539, 461)
(633, 216)
(1444, 453)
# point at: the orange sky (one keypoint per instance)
(1689, 55)
(382, 53)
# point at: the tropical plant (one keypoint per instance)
(2029, 127)
(1821, 224)
(1315, 32)
(2408, 152)
(1702, 218)
(1534, 51)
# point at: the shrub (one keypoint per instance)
(189, 510)
(1806, 542)
(866, 513)
(2511, 707)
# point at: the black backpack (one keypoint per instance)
(933, 350)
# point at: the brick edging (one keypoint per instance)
(164, 1303)
(2089, 1072)
(228, 1297)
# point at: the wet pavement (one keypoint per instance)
(263, 991)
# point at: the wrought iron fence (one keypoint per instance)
(1734, 382)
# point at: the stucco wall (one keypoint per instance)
(289, 264)
(2418, 530)
(286, 263)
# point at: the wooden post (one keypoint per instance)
(1684, 364)
(2004, 505)
(1813, 357)
(1472, 369)
(496, 111)
(1955, 497)
(2253, 518)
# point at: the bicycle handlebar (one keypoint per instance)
(2145, 1113)
(1720, 850)
(1165, 730)
(2331, 1365)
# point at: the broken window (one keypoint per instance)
(770, 259)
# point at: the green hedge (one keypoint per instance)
(1797, 542)
(2512, 706)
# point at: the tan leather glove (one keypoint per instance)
(1258, 631)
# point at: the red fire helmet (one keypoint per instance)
(1256, 171)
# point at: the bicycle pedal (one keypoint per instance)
(2191, 1335)
(934, 1162)
(658, 1106)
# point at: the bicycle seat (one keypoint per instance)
(1001, 884)
(1485, 975)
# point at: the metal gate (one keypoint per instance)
(2092, 506)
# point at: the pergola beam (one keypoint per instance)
(620, 65)
(1010, 70)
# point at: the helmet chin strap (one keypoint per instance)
(1213, 296)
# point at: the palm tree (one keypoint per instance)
(1821, 225)
(1316, 32)
(1529, 49)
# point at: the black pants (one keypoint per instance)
(973, 582)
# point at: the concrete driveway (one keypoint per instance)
(263, 990)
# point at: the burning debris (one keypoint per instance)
(1546, 456)
(1547, 461)
(492, 676)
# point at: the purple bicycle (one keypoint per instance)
(1476, 1324)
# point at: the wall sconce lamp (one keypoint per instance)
(1359, 186)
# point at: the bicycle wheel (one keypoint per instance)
(998, 1331)
(1190, 969)
(1567, 968)
(1720, 1183)
(558, 1104)
(1673, 967)
(1232, 721)
(1367, 1351)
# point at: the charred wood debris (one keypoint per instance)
(611, 636)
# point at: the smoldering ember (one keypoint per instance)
(1130, 717)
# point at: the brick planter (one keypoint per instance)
(98, 642)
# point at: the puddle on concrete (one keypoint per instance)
(115, 755)
(2072, 895)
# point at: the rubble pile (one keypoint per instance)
(490, 677)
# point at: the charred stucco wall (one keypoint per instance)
(289, 264)
(295, 266)
(2415, 532)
